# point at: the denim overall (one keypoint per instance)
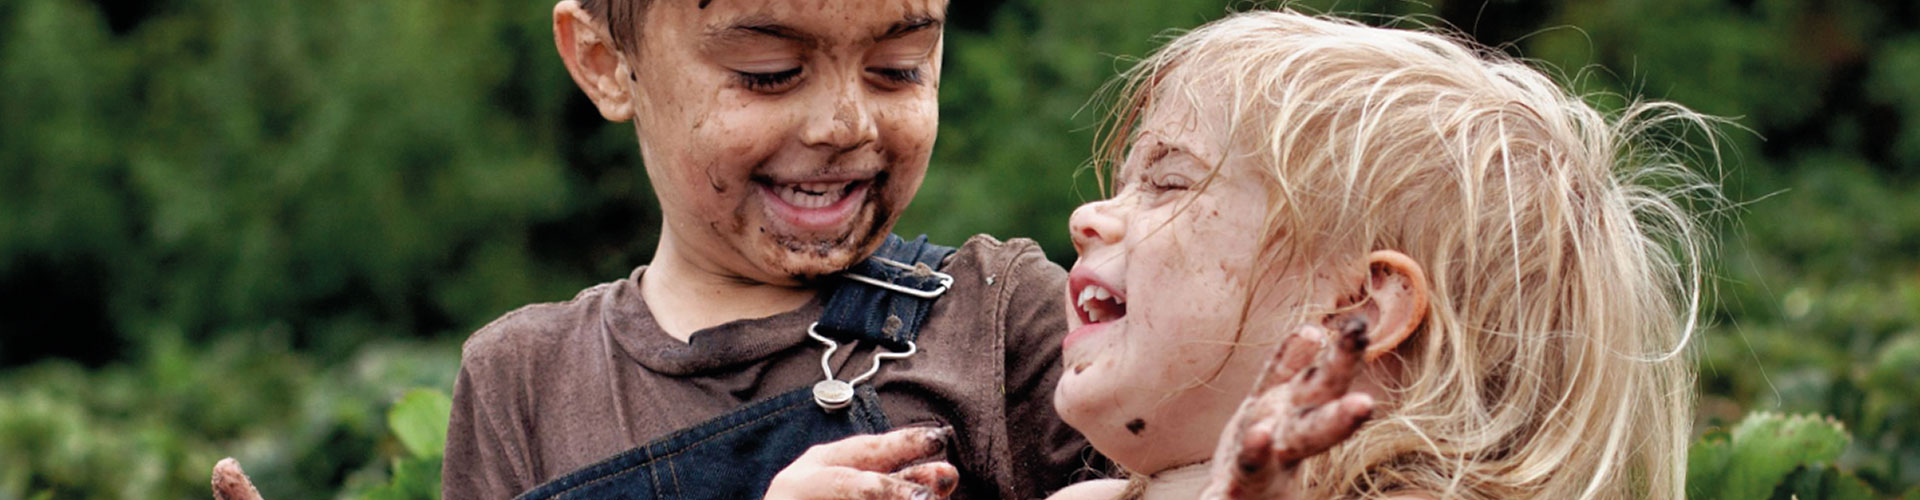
(882, 301)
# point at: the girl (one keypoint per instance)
(1502, 281)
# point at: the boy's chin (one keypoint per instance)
(811, 262)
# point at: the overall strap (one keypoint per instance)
(885, 298)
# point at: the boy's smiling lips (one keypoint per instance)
(816, 204)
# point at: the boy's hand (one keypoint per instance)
(230, 483)
(870, 468)
(1300, 407)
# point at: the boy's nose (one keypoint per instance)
(842, 121)
(1095, 224)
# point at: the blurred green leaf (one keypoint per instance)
(420, 421)
(1759, 453)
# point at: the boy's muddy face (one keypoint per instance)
(784, 137)
(1157, 296)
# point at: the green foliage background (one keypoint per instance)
(246, 228)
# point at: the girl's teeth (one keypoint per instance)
(1091, 294)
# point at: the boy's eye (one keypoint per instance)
(768, 82)
(898, 76)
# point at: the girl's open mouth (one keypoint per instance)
(1097, 304)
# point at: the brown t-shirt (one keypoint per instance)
(550, 388)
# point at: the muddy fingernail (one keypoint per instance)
(921, 493)
(937, 437)
(1353, 334)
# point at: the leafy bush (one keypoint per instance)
(232, 227)
(153, 427)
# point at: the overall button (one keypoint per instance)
(833, 394)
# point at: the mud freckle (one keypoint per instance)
(1136, 425)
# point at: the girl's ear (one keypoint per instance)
(588, 51)
(1393, 301)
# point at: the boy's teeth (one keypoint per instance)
(812, 194)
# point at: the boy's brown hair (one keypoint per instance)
(623, 19)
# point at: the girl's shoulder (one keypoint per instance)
(1098, 489)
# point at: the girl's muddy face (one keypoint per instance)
(1158, 295)
(784, 137)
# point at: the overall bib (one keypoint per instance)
(881, 301)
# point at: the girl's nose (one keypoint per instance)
(1095, 224)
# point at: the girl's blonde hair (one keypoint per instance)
(1564, 269)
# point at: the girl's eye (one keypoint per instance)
(1169, 182)
(768, 82)
(902, 76)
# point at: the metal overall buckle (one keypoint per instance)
(946, 280)
(833, 394)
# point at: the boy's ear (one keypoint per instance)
(1393, 301)
(587, 49)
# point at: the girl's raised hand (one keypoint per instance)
(1300, 407)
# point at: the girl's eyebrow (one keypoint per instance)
(1154, 148)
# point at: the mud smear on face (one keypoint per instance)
(812, 259)
(1136, 425)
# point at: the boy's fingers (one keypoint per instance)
(881, 452)
(231, 483)
(1315, 431)
(842, 483)
(941, 477)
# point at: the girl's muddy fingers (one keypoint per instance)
(880, 452)
(941, 477)
(1296, 353)
(231, 483)
(1254, 468)
(1318, 429)
(1332, 372)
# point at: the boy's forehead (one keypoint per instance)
(868, 17)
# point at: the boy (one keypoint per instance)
(782, 137)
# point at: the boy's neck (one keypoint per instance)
(686, 297)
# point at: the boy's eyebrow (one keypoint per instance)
(751, 26)
(766, 26)
(913, 23)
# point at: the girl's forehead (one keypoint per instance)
(1180, 122)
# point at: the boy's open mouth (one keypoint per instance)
(822, 206)
(1097, 304)
(811, 195)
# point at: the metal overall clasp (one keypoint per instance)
(919, 270)
(833, 394)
